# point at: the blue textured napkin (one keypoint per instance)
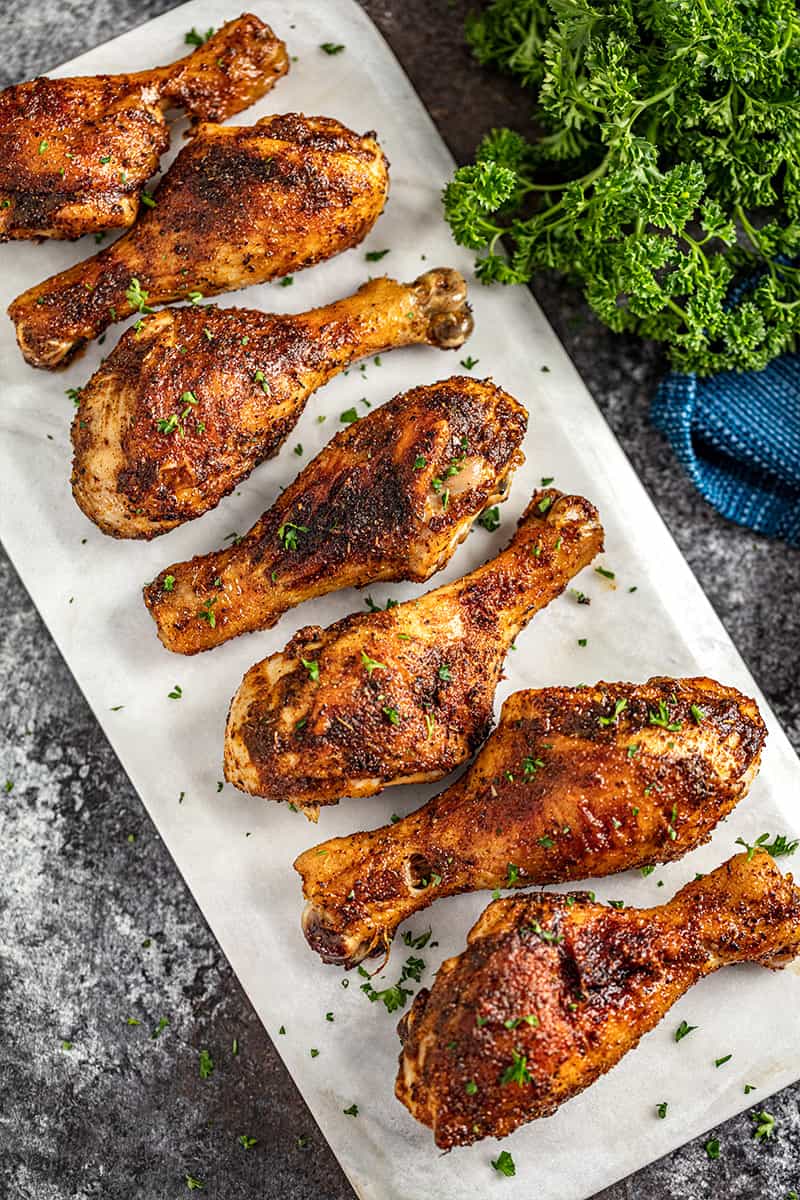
(738, 437)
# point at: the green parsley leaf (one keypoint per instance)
(371, 664)
(376, 255)
(206, 1064)
(193, 38)
(765, 1125)
(518, 1071)
(490, 519)
(332, 47)
(504, 1164)
(619, 707)
(684, 1030)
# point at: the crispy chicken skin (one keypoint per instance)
(239, 205)
(554, 795)
(183, 409)
(552, 991)
(363, 510)
(406, 695)
(76, 153)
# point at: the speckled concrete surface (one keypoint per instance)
(98, 930)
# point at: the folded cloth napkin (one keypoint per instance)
(738, 438)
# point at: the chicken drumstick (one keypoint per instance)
(406, 695)
(574, 782)
(76, 153)
(183, 409)
(365, 509)
(552, 991)
(239, 205)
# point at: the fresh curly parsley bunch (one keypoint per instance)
(666, 177)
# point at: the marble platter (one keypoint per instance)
(236, 851)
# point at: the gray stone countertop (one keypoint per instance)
(97, 925)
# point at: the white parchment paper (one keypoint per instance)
(236, 851)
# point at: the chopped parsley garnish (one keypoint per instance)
(419, 462)
(765, 1125)
(419, 942)
(662, 718)
(352, 1111)
(148, 201)
(580, 597)
(546, 935)
(348, 416)
(445, 673)
(392, 714)
(312, 666)
(778, 847)
(697, 714)
(371, 664)
(207, 613)
(684, 1030)
(287, 534)
(645, 871)
(137, 297)
(332, 47)
(545, 503)
(176, 693)
(194, 1185)
(287, 281)
(394, 997)
(512, 874)
(375, 256)
(246, 1142)
(163, 1022)
(470, 1087)
(206, 1064)
(518, 1071)
(490, 519)
(43, 145)
(469, 362)
(504, 1164)
(193, 38)
(712, 1148)
(546, 842)
(661, 1109)
(261, 379)
(168, 583)
(605, 573)
(619, 707)
(530, 766)
(718, 1062)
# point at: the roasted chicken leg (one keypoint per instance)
(239, 205)
(183, 409)
(552, 991)
(574, 782)
(76, 153)
(365, 509)
(406, 695)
